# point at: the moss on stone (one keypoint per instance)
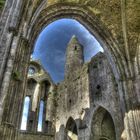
(16, 76)
(2, 2)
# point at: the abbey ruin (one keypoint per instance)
(97, 100)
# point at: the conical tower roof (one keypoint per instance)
(74, 40)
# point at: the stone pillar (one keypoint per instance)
(83, 134)
(35, 97)
(50, 109)
(7, 75)
(50, 112)
(13, 88)
(132, 124)
(10, 18)
(62, 134)
(132, 115)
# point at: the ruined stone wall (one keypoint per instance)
(104, 90)
(87, 89)
(39, 89)
(73, 96)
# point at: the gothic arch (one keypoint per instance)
(91, 22)
(97, 28)
(71, 129)
(102, 125)
(71, 125)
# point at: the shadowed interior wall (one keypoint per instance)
(103, 126)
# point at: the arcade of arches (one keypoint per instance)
(96, 101)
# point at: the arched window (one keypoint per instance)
(71, 129)
(103, 125)
(31, 70)
(25, 113)
(40, 118)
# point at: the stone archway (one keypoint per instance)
(24, 45)
(16, 39)
(71, 129)
(97, 28)
(86, 17)
(91, 22)
(103, 127)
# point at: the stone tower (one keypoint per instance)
(74, 56)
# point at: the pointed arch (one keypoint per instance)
(71, 129)
(96, 27)
(103, 127)
(92, 23)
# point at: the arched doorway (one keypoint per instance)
(102, 126)
(71, 129)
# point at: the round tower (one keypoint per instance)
(74, 56)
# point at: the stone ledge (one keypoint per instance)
(33, 133)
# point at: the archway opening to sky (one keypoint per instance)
(50, 47)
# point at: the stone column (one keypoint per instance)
(132, 124)
(84, 134)
(10, 18)
(62, 134)
(50, 109)
(7, 75)
(35, 97)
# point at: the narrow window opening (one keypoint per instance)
(75, 48)
(25, 113)
(40, 118)
(98, 86)
(70, 101)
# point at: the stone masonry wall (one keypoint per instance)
(73, 96)
(104, 90)
(30, 136)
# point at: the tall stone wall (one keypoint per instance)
(104, 90)
(73, 96)
(88, 89)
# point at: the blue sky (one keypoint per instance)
(51, 45)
